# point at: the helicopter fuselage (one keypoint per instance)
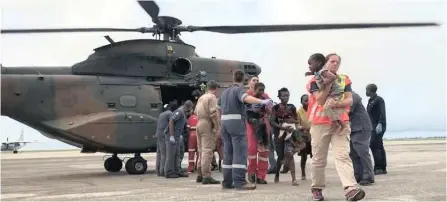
(111, 101)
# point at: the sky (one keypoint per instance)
(407, 64)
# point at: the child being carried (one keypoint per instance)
(256, 116)
(323, 78)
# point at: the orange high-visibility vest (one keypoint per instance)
(315, 111)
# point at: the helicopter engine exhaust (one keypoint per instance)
(182, 66)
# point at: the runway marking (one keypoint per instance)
(402, 198)
(417, 164)
(84, 195)
(8, 196)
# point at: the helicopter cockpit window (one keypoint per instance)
(128, 101)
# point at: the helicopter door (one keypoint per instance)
(136, 109)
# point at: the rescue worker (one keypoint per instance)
(177, 123)
(305, 127)
(377, 114)
(361, 129)
(162, 124)
(271, 152)
(233, 132)
(322, 135)
(192, 143)
(257, 148)
(208, 121)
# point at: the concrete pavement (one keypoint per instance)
(416, 171)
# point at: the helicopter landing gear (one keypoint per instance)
(15, 152)
(136, 165)
(113, 164)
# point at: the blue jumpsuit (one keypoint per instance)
(173, 158)
(162, 124)
(233, 134)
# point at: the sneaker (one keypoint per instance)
(355, 195)
(317, 195)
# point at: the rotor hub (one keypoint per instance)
(168, 21)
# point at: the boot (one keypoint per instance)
(199, 178)
(209, 180)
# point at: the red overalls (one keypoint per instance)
(192, 142)
(257, 161)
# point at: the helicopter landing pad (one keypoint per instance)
(416, 172)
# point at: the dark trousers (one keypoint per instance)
(378, 151)
(173, 157)
(161, 154)
(235, 146)
(361, 159)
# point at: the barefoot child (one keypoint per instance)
(324, 78)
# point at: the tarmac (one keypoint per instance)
(416, 172)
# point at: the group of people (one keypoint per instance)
(246, 127)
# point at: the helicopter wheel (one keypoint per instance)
(14, 152)
(113, 164)
(136, 165)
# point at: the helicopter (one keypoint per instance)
(110, 102)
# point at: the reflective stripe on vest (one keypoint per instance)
(316, 112)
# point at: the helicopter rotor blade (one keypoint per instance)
(241, 29)
(151, 8)
(25, 31)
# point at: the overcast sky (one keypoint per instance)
(408, 64)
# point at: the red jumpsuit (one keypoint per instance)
(257, 161)
(192, 142)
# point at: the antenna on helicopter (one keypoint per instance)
(110, 40)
